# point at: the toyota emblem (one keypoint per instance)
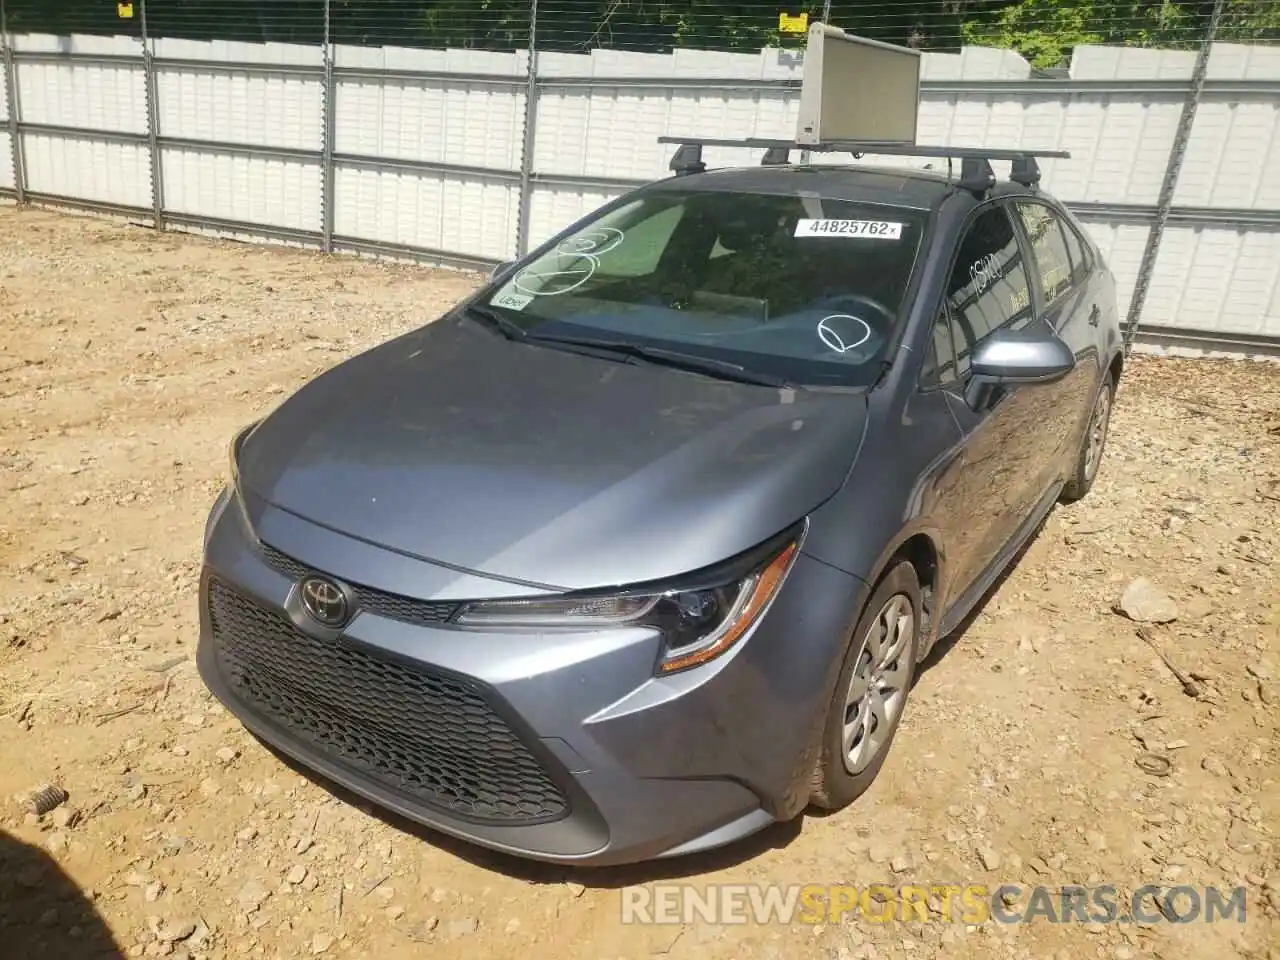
(324, 601)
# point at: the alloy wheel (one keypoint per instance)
(1097, 437)
(878, 686)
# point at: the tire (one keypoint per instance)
(1092, 448)
(837, 783)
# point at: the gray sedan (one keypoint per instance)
(637, 550)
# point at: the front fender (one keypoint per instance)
(890, 493)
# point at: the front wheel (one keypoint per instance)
(1092, 445)
(871, 693)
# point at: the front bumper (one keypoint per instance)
(560, 747)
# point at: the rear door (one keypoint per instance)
(1060, 284)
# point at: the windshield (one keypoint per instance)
(805, 289)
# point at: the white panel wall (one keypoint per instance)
(258, 106)
(1233, 157)
(463, 122)
(1213, 278)
(86, 169)
(107, 98)
(6, 144)
(1210, 278)
(474, 124)
(81, 95)
(262, 108)
(475, 216)
(231, 186)
(1205, 278)
(6, 159)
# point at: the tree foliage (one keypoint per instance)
(1043, 31)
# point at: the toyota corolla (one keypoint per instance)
(637, 549)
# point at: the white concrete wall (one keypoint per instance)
(258, 107)
(468, 123)
(1206, 278)
(1119, 142)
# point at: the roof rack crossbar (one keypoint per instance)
(879, 147)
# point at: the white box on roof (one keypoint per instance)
(857, 89)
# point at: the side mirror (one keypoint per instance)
(1011, 357)
(500, 269)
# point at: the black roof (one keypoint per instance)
(903, 187)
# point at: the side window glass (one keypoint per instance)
(988, 288)
(1080, 265)
(1048, 248)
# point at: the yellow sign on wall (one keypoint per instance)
(789, 24)
(125, 10)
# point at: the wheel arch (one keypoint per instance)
(920, 545)
(1116, 368)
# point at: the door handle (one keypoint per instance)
(1094, 316)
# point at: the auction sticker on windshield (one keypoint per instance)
(875, 229)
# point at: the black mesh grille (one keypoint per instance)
(425, 734)
(406, 609)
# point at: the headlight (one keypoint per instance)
(697, 624)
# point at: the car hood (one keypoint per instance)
(520, 462)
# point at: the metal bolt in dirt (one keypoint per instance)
(48, 798)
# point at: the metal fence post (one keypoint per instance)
(1170, 183)
(153, 122)
(530, 129)
(11, 107)
(328, 108)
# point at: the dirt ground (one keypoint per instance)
(127, 360)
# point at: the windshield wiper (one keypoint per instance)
(508, 328)
(722, 369)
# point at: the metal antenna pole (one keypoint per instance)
(1170, 183)
(153, 123)
(328, 128)
(11, 107)
(530, 131)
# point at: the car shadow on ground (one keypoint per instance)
(775, 837)
(42, 911)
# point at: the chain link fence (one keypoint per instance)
(380, 126)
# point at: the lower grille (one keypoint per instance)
(427, 735)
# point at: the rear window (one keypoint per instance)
(800, 287)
